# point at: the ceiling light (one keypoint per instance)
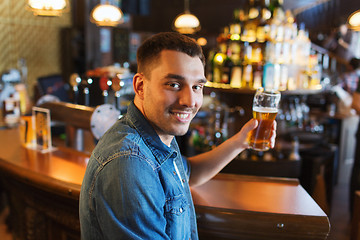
(47, 7)
(354, 21)
(106, 15)
(186, 23)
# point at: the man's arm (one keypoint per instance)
(356, 100)
(206, 165)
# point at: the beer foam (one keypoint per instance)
(265, 110)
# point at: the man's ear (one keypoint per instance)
(138, 84)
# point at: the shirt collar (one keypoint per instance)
(151, 138)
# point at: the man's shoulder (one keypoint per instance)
(121, 142)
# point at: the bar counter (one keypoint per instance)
(43, 191)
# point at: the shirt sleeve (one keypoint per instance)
(187, 167)
(358, 86)
(130, 201)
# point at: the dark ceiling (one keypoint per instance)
(319, 15)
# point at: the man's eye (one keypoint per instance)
(174, 85)
(198, 87)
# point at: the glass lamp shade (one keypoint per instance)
(354, 21)
(47, 7)
(186, 23)
(106, 15)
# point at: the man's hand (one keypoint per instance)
(241, 136)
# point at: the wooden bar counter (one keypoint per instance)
(257, 208)
(43, 191)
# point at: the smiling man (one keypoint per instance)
(137, 183)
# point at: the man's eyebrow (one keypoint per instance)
(203, 80)
(180, 77)
(174, 76)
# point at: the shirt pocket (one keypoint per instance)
(176, 205)
(177, 218)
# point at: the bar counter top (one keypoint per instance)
(61, 169)
(44, 189)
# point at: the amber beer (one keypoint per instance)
(265, 109)
(259, 138)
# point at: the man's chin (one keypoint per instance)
(181, 132)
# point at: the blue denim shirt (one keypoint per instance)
(131, 188)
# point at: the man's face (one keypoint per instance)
(173, 93)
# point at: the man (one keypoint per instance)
(136, 185)
(351, 77)
(355, 175)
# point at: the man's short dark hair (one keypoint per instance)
(354, 63)
(151, 48)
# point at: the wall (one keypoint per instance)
(36, 39)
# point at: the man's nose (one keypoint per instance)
(187, 97)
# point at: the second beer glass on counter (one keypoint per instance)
(265, 108)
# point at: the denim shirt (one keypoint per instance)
(131, 188)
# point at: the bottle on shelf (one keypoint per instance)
(263, 28)
(227, 68)
(294, 155)
(257, 76)
(325, 72)
(250, 26)
(219, 57)
(247, 69)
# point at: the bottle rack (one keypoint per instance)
(263, 46)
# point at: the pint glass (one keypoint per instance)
(265, 108)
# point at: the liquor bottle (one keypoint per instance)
(227, 68)
(219, 57)
(210, 65)
(235, 26)
(234, 43)
(284, 74)
(247, 71)
(278, 17)
(247, 78)
(268, 75)
(11, 109)
(303, 46)
(325, 73)
(257, 50)
(253, 20)
(257, 76)
(247, 53)
(276, 5)
(294, 155)
(236, 48)
(235, 81)
(263, 28)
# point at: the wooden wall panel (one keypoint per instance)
(36, 39)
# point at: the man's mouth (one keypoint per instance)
(182, 117)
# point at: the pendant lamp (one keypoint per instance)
(353, 21)
(106, 15)
(186, 23)
(49, 8)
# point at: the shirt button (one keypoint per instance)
(180, 210)
(183, 180)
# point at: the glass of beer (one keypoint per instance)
(265, 108)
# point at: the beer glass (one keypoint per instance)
(265, 108)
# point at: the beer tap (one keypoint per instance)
(86, 83)
(74, 81)
(105, 83)
(117, 85)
